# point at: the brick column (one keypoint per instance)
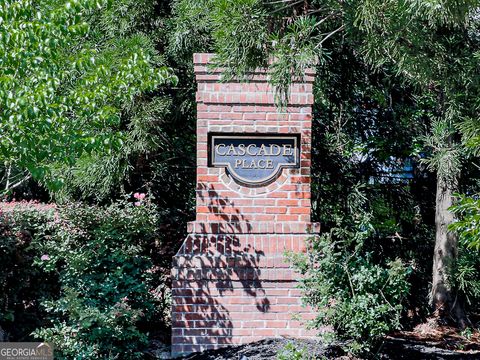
(231, 283)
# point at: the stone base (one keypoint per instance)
(224, 300)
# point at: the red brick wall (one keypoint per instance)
(231, 284)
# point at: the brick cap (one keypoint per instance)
(206, 72)
(253, 227)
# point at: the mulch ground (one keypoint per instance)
(265, 349)
(443, 343)
(423, 342)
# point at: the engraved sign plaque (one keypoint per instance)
(254, 159)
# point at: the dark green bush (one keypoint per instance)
(353, 294)
(22, 285)
(465, 271)
(467, 210)
(108, 293)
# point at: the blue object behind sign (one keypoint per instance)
(254, 159)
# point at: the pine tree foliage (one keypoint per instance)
(190, 27)
(446, 157)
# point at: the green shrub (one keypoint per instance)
(353, 294)
(85, 275)
(464, 276)
(465, 271)
(22, 285)
(105, 280)
(467, 210)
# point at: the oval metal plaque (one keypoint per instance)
(254, 159)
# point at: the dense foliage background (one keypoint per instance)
(97, 102)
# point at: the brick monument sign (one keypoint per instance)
(231, 282)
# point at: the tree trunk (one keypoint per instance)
(444, 299)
